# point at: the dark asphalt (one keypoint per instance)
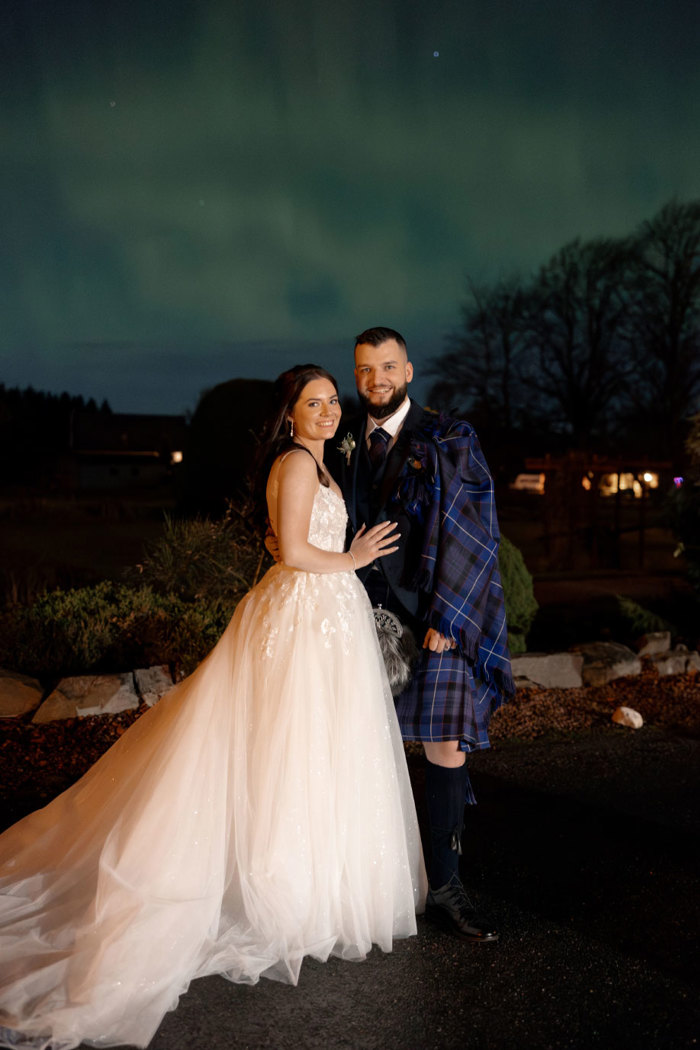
(584, 852)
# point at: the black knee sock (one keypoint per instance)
(445, 791)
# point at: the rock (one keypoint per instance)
(551, 670)
(653, 643)
(153, 682)
(89, 695)
(673, 662)
(603, 661)
(627, 716)
(693, 661)
(19, 694)
(54, 708)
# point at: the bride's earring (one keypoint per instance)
(291, 428)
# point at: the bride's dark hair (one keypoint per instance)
(276, 438)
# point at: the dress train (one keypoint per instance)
(261, 812)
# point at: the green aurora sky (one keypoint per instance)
(193, 191)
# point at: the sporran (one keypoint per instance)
(398, 648)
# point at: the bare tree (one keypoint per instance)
(480, 368)
(576, 328)
(602, 345)
(665, 316)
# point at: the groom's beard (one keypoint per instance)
(388, 409)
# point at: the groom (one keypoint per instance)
(403, 463)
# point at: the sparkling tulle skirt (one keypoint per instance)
(261, 812)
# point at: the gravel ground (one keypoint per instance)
(39, 761)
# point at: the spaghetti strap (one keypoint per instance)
(291, 451)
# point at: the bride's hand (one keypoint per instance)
(369, 544)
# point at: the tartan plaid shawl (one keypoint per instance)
(459, 560)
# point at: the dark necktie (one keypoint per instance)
(378, 444)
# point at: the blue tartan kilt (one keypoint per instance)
(445, 701)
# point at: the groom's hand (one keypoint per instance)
(272, 546)
(437, 642)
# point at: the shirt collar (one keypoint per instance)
(392, 424)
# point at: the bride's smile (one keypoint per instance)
(317, 412)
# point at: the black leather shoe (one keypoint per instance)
(450, 908)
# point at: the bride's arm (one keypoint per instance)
(298, 482)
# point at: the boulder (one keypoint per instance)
(604, 661)
(106, 694)
(693, 661)
(627, 716)
(551, 670)
(54, 708)
(153, 682)
(653, 643)
(675, 661)
(19, 694)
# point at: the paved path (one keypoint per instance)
(583, 852)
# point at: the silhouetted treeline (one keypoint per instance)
(223, 438)
(35, 430)
(600, 350)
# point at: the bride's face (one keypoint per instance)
(317, 412)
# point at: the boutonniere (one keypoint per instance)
(416, 484)
(347, 446)
(414, 465)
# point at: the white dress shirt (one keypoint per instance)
(392, 424)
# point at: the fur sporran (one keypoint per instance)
(398, 648)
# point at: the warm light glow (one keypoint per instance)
(176, 457)
(529, 483)
(610, 484)
(586, 482)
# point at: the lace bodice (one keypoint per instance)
(328, 517)
(329, 521)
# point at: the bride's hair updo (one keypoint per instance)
(275, 437)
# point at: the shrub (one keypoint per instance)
(521, 604)
(202, 559)
(684, 506)
(636, 620)
(190, 583)
(108, 627)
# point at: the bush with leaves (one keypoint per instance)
(521, 604)
(188, 587)
(108, 627)
(685, 508)
(202, 559)
(636, 620)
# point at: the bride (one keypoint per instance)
(261, 812)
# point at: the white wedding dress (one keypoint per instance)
(261, 812)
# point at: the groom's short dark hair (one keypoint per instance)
(377, 336)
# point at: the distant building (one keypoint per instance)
(119, 451)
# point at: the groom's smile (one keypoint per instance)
(382, 375)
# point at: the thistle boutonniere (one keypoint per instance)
(347, 446)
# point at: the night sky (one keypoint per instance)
(194, 191)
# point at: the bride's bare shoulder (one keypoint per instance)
(295, 466)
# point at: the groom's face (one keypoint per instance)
(382, 375)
